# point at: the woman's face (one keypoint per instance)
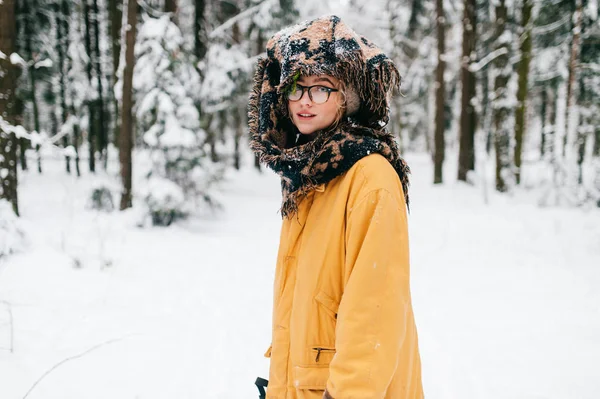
(307, 115)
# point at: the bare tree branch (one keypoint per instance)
(57, 365)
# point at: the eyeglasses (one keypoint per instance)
(317, 94)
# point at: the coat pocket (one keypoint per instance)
(322, 354)
(310, 382)
(328, 303)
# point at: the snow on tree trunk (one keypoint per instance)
(502, 103)
(523, 71)
(440, 95)
(8, 74)
(116, 16)
(62, 45)
(468, 116)
(126, 136)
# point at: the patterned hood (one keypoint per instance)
(322, 46)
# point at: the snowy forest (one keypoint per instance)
(138, 231)
(514, 84)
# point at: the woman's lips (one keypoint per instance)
(305, 116)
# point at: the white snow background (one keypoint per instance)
(506, 294)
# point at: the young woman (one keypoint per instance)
(343, 323)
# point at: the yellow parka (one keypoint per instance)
(343, 325)
(342, 314)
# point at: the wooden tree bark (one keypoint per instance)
(92, 124)
(523, 71)
(440, 95)
(62, 36)
(28, 32)
(596, 149)
(500, 107)
(200, 38)
(116, 16)
(170, 5)
(468, 116)
(573, 66)
(260, 47)
(543, 113)
(126, 136)
(24, 143)
(237, 114)
(8, 75)
(102, 115)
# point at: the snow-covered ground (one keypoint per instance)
(506, 295)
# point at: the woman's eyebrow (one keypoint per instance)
(323, 79)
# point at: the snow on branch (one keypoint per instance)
(592, 67)
(244, 14)
(477, 66)
(540, 30)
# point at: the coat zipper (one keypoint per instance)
(319, 350)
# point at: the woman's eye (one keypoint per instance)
(323, 89)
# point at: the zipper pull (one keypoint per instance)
(318, 354)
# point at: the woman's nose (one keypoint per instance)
(305, 99)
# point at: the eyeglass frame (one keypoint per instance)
(308, 88)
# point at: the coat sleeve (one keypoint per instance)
(371, 321)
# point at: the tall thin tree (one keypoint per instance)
(102, 115)
(523, 71)
(8, 72)
(468, 115)
(62, 36)
(440, 94)
(116, 15)
(571, 114)
(92, 114)
(500, 105)
(126, 136)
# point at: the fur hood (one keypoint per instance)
(322, 46)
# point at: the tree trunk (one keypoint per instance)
(171, 6)
(126, 136)
(8, 75)
(500, 107)
(102, 122)
(468, 121)
(92, 134)
(24, 143)
(76, 135)
(33, 86)
(440, 95)
(200, 38)
(239, 132)
(596, 150)
(523, 71)
(573, 66)
(260, 47)
(116, 16)
(543, 113)
(62, 37)
(550, 130)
